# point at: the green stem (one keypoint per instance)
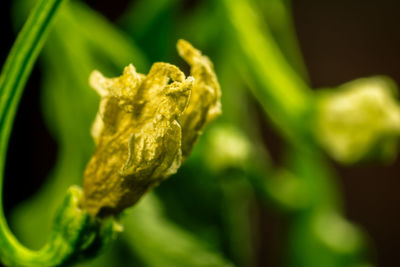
(13, 78)
(278, 88)
(278, 16)
(147, 234)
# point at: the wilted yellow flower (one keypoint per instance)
(145, 127)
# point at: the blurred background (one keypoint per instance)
(339, 40)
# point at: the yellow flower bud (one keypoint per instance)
(359, 119)
(144, 128)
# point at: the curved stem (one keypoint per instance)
(12, 80)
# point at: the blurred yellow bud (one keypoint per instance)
(359, 119)
(229, 146)
(336, 233)
(145, 127)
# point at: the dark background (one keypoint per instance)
(341, 40)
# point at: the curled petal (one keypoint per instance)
(204, 104)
